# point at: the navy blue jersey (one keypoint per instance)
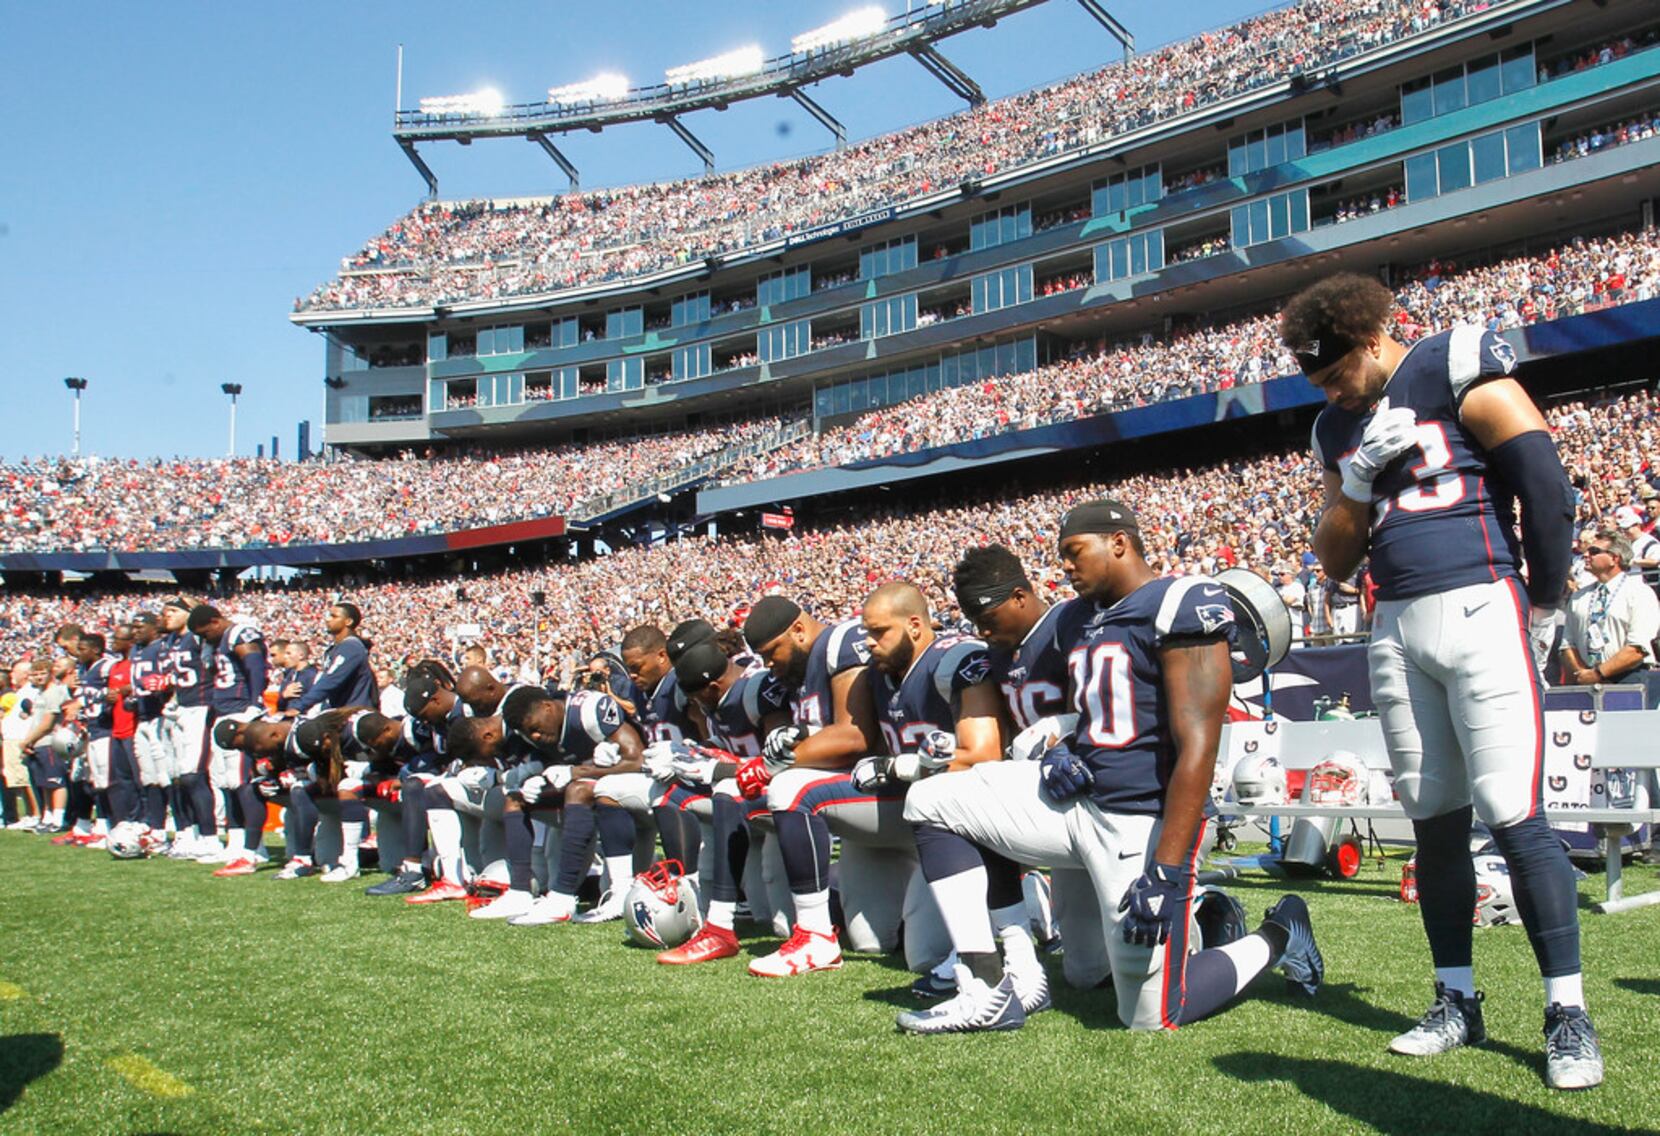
(148, 662)
(737, 722)
(927, 697)
(591, 717)
(1438, 522)
(1032, 677)
(97, 715)
(345, 678)
(237, 682)
(423, 738)
(188, 661)
(1116, 683)
(305, 676)
(839, 647)
(664, 715)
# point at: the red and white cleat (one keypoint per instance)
(239, 867)
(803, 951)
(707, 945)
(438, 893)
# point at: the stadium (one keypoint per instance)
(575, 447)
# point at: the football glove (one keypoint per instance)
(872, 773)
(938, 749)
(548, 784)
(753, 777)
(390, 790)
(1392, 431)
(1541, 634)
(695, 770)
(659, 765)
(1064, 774)
(476, 778)
(779, 750)
(1029, 744)
(607, 754)
(1153, 903)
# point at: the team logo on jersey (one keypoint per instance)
(1017, 674)
(610, 714)
(974, 672)
(1503, 354)
(862, 650)
(1561, 738)
(1213, 617)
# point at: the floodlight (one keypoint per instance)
(743, 61)
(857, 24)
(605, 87)
(486, 103)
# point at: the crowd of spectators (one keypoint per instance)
(78, 505)
(1257, 513)
(479, 250)
(1583, 275)
(1631, 129)
(60, 505)
(1365, 204)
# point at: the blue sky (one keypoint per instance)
(174, 174)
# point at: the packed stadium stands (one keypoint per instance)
(61, 505)
(1256, 512)
(444, 252)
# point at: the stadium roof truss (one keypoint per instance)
(914, 33)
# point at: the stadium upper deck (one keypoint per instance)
(1195, 193)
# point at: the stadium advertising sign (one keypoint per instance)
(777, 521)
(825, 232)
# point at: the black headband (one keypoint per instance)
(1102, 516)
(768, 619)
(1321, 352)
(977, 599)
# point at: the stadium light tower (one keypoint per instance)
(76, 386)
(232, 389)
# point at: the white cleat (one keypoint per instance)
(505, 906)
(550, 908)
(802, 952)
(609, 908)
(976, 1007)
(296, 868)
(27, 824)
(340, 874)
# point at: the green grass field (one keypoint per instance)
(150, 997)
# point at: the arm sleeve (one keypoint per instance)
(256, 664)
(1529, 466)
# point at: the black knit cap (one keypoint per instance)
(768, 619)
(701, 665)
(1100, 516)
(687, 634)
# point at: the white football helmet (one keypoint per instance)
(68, 742)
(1495, 902)
(1341, 779)
(1259, 780)
(661, 909)
(124, 842)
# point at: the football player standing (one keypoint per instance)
(1425, 451)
